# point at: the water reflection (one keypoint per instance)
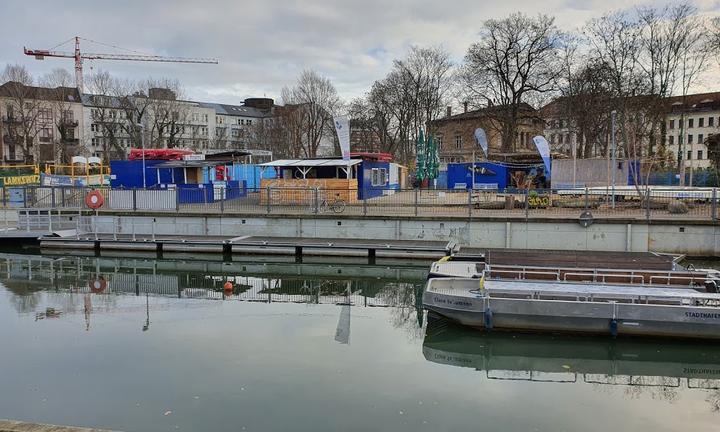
(52, 286)
(660, 369)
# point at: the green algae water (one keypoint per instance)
(138, 344)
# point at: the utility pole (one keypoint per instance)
(142, 145)
(681, 156)
(613, 163)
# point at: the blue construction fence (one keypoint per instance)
(701, 178)
(210, 192)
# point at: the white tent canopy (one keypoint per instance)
(312, 162)
(305, 165)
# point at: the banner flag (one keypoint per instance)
(481, 139)
(544, 150)
(342, 127)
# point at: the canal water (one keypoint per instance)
(138, 344)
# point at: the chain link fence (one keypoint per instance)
(634, 204)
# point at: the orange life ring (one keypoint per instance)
(94, 200)
(98, 285)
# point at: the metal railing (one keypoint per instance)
(636, 205)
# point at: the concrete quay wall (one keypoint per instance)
(692, 238)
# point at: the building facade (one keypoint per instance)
(690, 121)
(39, 124)
(455, 134)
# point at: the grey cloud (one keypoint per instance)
(262, 45)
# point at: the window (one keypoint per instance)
(689, 155)
(379, 177)
(249, 122)
(458, 142)
(711, 121)
(45, 115)
(690, 123)
(672, 124)
(701, 122)
(95, 127)
(699, 154)
(112, 114)
(700, 138)
(195, 117)
(205, 118)
(690, 140)
(671, 139)
(45, 135)
(95, 142)
(438, 140)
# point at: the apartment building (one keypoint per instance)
(39, 124)
(689, 122)
(236, 126)
(113, 125)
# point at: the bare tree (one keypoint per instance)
(63, 94)
(311, 103)
(411, 96)
(715, 37)
(515, 59)
(585, 99)
(107, 128)
(168, 112)
(22, 112)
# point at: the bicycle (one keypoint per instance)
(337, 206)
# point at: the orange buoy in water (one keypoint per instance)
(228, 286)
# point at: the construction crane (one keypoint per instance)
(80, 56)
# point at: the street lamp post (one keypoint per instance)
(142, 146)
(613, 164)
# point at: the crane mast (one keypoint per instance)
(79, 57)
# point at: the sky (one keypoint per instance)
(263, 45)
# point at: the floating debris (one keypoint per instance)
(48, 313)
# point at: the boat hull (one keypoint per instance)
(617, 319)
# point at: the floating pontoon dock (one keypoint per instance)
(255, 245)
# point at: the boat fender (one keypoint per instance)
(613, 327)
(488, 319)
